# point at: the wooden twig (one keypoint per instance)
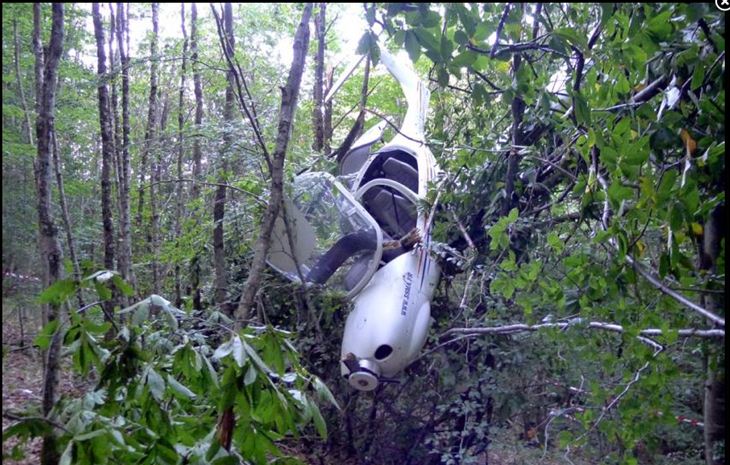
(522, 327)
(500, 26)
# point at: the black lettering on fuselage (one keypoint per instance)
(408, 279)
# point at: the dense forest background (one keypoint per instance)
(580, 318)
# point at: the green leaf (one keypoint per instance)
(412, 46)
(698, 76)
(554, 241)
(479, 95)
(447, 47)
(324, 391)
(155, 383)
(582, 112)
(67, 454)
(572, 37)
(430, 19)
(660, 26)
(225, 348)
(429, 42)
(319, 422)
(122, 285)
(461, 38)
(237, 350)
(58, 292)
(617, 193)
(43, 339)
(179, 387)
(255, 357)
(374, 50)
(466, 18)
(442, 76)
(464, 59)
(250, 376)
(363, 45)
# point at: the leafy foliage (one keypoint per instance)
(160, 385)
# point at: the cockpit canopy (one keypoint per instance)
(325, 235)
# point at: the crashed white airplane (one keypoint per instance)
(356, 233)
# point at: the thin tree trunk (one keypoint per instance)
(107, 149)
(327, 142)
(125, 252)
(181, 150)
(513, 157)
(65, 216)
(51, 255)
(714, 392)
(155, 189)
(38, 51)
(197, 166)
(219, 202)
(26, 122)
(318, 94)
(116, 123)
(151, 114)
(289, 95)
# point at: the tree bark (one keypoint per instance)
(155, 188)
(219, 202)
(714, 395)
(27, 127)
(197, 158)
(107, 143)
(65, 216)
(198, 86)
(151, 114)
(181, 150)
(327, 142)
(289, 95)
(38, 51)
(318, 93)
(116, 123)
(513, 157)
(51, 255)
(125, 249)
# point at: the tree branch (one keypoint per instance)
(391, 124)
(500, 26)
(577, 322)
(238, 77)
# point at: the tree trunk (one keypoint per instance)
(513, 157)
(125, 252)
(289, 95)
(27, 127)
(181, 150)
(51, 255)
(318, 94)
(38, 51)
(65, 216)
(219, 202)
(151, 114)
(155, 189)
(714, 395)
(107, 144)
(327, 142)
(116, 123)
(197, 168)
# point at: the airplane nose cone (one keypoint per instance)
(363, 381)
(366, 377)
